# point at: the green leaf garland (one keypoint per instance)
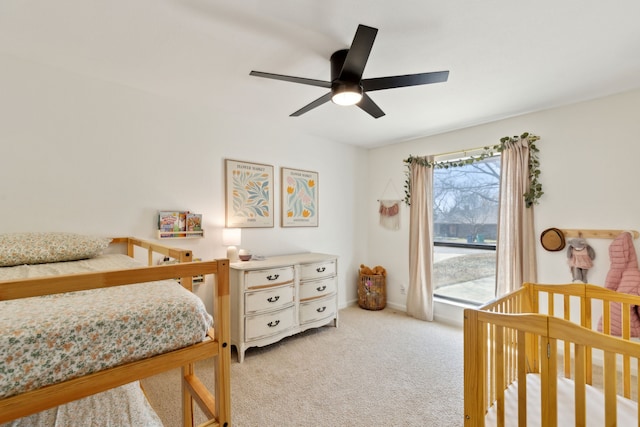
(531, 197)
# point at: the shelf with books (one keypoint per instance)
(179, 225)
(180, 234)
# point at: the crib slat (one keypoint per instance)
(586, 322)
(626, 361)
(610, 398)
(606, 318)
(638, 387)
(549, 385)
(567, 344)
(552, 354)
(500, 374)
(580, 386)
(491, 395)
(522, 378)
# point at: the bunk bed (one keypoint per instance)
(162, 324)
(534, 357)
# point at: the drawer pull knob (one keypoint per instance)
(273, 299)
(321, 288)
(321, 309)
(273, 324)
(320, 269)
(273, 276)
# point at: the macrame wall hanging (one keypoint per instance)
(390, 209)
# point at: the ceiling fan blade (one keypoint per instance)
(367, 104)
(301, 80)
(381, 83)
(318, 102)
(358, 54)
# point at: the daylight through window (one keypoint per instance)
(465, 218)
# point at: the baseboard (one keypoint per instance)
(444, 312)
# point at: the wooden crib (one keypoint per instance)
(534, 357)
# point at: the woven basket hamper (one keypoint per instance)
(372, 291)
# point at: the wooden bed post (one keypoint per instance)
(187, 400)
(222, 319)
(186, 282)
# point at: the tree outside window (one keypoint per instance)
(465, 221)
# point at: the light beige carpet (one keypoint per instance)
(377, 368)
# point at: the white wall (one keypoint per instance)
(92, 156)
(589, 154)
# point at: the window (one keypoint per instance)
(465, 218)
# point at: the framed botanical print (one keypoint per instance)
(299, 198)
(248, 194)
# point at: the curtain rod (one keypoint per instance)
(463, 151)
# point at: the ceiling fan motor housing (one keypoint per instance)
(343, 85)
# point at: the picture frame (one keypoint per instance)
(299, 198)
(249, 191)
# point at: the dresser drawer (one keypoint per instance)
(270, 277)
(268, 299)
(317, 309)
(264, 325)
(317, 288)
(318, 270)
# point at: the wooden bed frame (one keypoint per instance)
(549, 330)
(216, 406)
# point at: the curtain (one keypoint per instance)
(515, 252)
(420, 289)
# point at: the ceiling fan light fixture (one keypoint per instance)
(345, 93)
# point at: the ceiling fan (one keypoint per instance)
(347, 85)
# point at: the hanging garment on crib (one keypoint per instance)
(623, 276)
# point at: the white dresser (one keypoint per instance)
(281, 296)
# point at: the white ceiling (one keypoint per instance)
(505, 57)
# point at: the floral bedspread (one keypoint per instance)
(48, 339)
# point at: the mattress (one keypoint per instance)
(53, 338)
(121, 406)
(627, 409)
